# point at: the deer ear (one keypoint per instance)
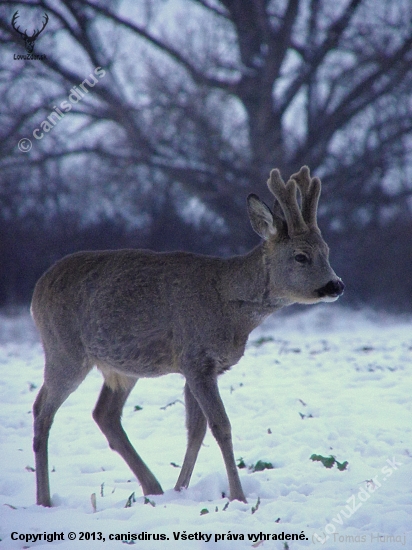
(279, 219)
(260, 217)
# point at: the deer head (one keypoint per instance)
(296, 256)
(29, 40)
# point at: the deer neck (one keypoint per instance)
(248, 282)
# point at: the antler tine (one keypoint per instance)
(37, 31)
(13, 23)
(286, 196)
(310, 191)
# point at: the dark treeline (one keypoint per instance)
(29, 246)
(375, 265)
(151, 122)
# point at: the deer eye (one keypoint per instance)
(301, 258)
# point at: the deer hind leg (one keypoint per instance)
(60, 380)
(107, 415)
(203, 385)
(196, 429)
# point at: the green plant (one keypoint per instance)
(130, 501)
(260, 466)
(256, 507)
(263, 340)
(329, 461)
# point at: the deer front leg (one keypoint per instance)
(203, 386)
(196, 429)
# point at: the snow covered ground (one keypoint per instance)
(325, 381)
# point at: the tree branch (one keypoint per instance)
(174, 54)
(313, 59)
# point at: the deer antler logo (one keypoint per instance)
(29, 40)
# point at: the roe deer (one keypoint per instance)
(137, 313)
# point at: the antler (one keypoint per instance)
(286, 195)
(13, 21)
(310, 192)
(36, 34)
(24, 34)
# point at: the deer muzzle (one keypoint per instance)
(331, 291)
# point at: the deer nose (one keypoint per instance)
(332, 289)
